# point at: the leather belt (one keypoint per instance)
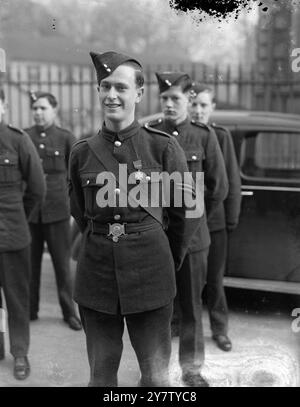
(116, 230)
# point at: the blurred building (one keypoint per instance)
(278, 32)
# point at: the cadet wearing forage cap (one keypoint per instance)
(107, 62)
(203, 155)
(51, 222)
(126, 266)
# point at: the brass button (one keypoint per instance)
(42, 146)
(175, 133)
(56, 153)
(117, 191)
(43, 134)
(148, 178)
(117, 217)
(194, 157)
(87, 182)
(118, 143)
(6, 161)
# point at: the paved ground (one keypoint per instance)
(266, 352)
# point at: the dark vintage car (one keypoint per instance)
(264, 250)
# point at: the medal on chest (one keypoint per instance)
(138, 175)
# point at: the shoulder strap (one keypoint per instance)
(15, 129)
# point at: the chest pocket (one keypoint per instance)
(195, 159)
(151, 186)
(90, 188)
(9, 168)
(54, 160)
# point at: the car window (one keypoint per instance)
(271, 155)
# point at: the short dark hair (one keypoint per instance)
(198, 87)
(139, 75)
(2, 94)
(34, 96)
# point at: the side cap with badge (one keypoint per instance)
(168, 79)
(107, 62)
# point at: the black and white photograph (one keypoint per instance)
(149, 196)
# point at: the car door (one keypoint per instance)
(266, 243)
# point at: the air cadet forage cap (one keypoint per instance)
(168, 79)
(106, 63)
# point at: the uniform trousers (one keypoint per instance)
(14, 280)
(57, 237)
(216, 299)
(150, 336)
(191, 279)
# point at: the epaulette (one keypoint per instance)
(202, 125)
(218, 127)
(155, 122)
(154, 130)
(15, 129)
(79, 142)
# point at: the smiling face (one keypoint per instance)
(43, 112)
(174, 104)
(118, 95)
(201, 107)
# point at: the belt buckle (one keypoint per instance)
(116, 230)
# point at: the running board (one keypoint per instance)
(263, 285)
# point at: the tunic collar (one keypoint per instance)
(121, 135)
(171, 127)
(41, 129)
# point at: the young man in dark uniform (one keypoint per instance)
(126, 266)
(202, 154)
(51, 223)
(224, 220)
(22, 188)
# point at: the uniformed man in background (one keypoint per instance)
(202, 154)
(22, 189)
(51, 224)
(224, 220)
(126, 266)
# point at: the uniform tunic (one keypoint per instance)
(227, 215)
(53, 145)
(136, 273)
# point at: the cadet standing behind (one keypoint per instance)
(51, 223)
(125, 266)
(22, 188)
(224, 220)
(203, 154)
